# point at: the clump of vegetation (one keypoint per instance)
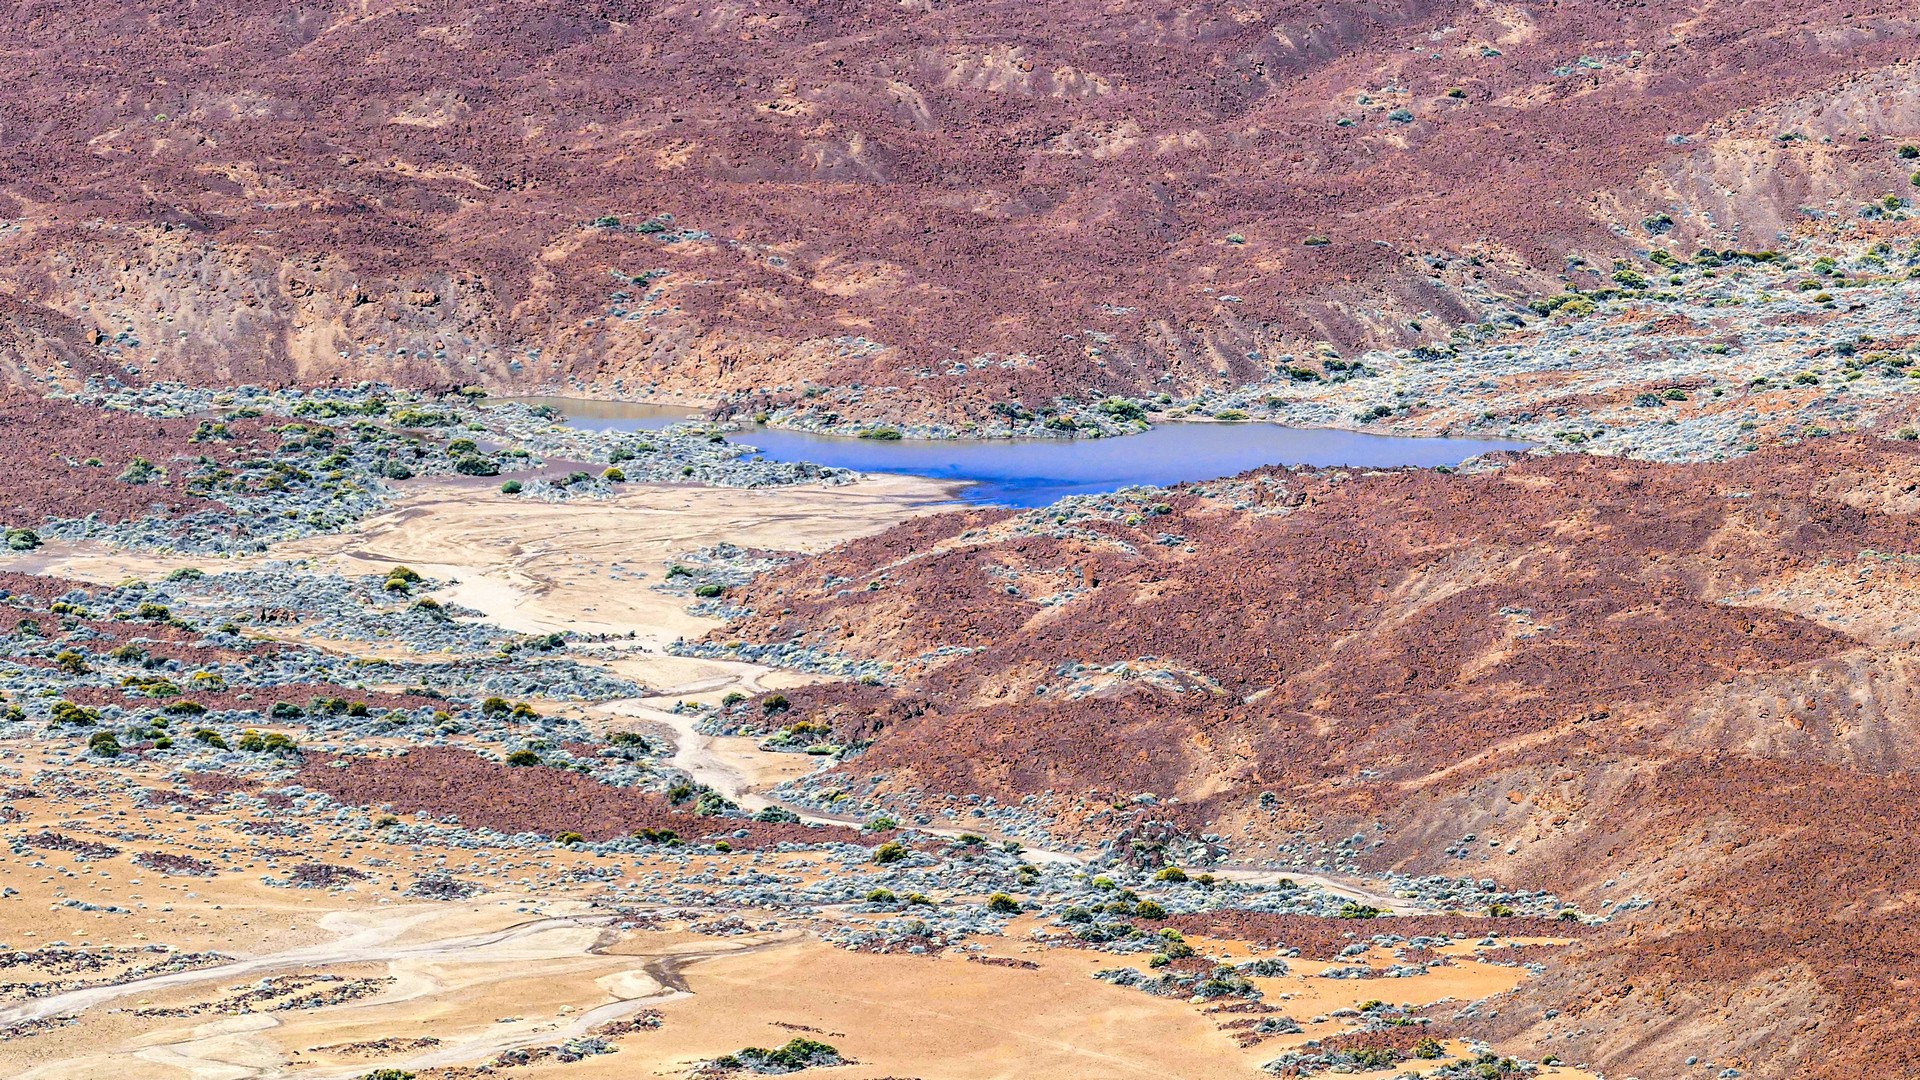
(890, 852)
(522, 758)
(422, 418)
(273, 742)
(66, 712)
(1002, 904)
(139, 471)
(797, 1054)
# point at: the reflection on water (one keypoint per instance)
(1035, 472)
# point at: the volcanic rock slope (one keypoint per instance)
(952, 205)
(1682, 694)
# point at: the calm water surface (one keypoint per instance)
(1035, 472)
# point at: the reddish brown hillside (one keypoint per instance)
(1689, 684)
(1082, 196)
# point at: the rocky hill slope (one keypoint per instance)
(952, 206)
(1680, 693)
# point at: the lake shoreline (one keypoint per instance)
(1038, 472)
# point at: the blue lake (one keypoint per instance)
(1035, 472)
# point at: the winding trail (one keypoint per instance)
(220, 1048)
(372, 944)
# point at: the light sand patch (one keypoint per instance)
(590, 566)
(535, 567)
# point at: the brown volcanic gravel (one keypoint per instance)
(63, 436)
(38, 586)
(1322, 939)
(173, 863)
(513, 799)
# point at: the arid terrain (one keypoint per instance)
(887, 209)
(391, 885)
(421, 660)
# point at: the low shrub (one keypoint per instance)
(797, 1054)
